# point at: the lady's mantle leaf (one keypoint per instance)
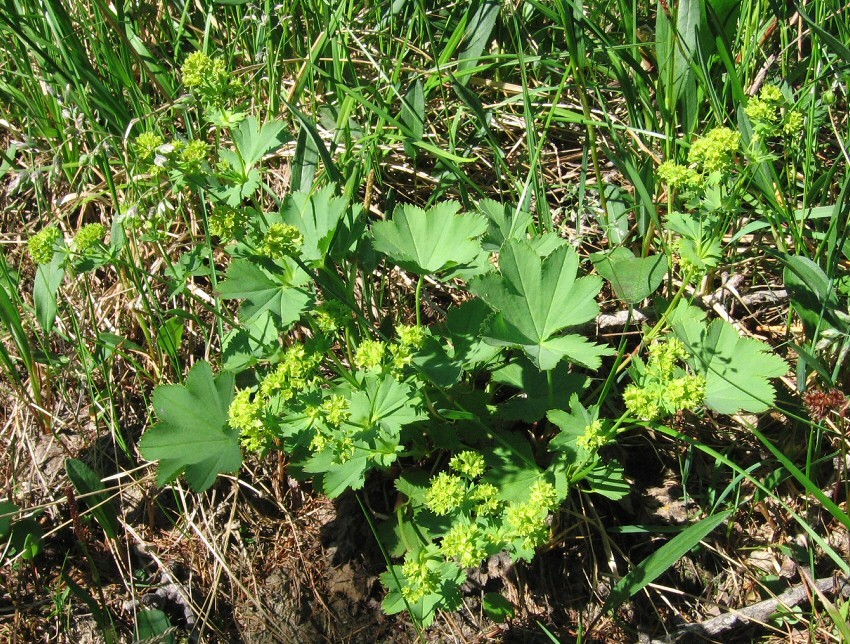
(278, 288)
(316, 216)
(193, 435)
(432, 241)
(633, 278)
(536, 297)
(736, 369)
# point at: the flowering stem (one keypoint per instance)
(419, 300)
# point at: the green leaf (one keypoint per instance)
(535, 298)
(48, 279)
(662, 559)
(7, 511)
(344, 476)
(433, 241)
(152, 625)
(512, 466)
(505, 223)
(387, 403)
(813, 294)
(413, 116)
(414, 484)
(464, 324)
(634, 278)
(317, 216)
(193, 435)
(255, 141)
(478, 35)
(170, 336)
(276, 287)
(535, 394)
(615, 221)
(433, 361)
(609, 480)
(573, 424)
(87, 483)
(497, 607)
(736, 369)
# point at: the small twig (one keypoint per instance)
(618, 318)
(760, 612)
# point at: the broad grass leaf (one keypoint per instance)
(661, 560)
(413, 116)
(432, 241)
(737, 370)
(616, 220)
(48, 279)
(478, 35)
(497, 607)
(813, 294)
(152, 625)
(193, 435)
(535, 298)
(609, 480)
(87, 483)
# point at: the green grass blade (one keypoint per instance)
(658, 562)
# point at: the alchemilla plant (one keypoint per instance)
(482, 420)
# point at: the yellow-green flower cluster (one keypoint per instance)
(225, 221)
(793, 124)
(661, 392)
(295, 372)
(470, 464)
(715, 152)
(422, 576)
(42, 245)
(593, 437)
(331, 315)
(465, 542)
(145, 146)
(246, 415)
(447, 493)
(679, 176)
(664, 357)
(281, 240)
(527, 521)
(410, 335)
(486, 495)
(193, 155)
(333, 412)
(88, 236)
(207, 77)
(336, 410)
(370, 354)
(409, 339)
(771, 114)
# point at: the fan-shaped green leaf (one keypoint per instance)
(736, 369)
(193, 435)
(432, 241)
(535, 298)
